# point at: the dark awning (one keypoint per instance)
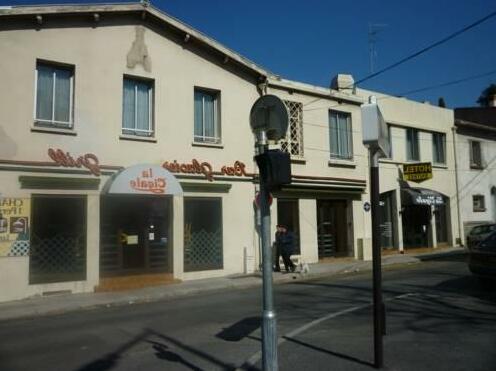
(421, 196)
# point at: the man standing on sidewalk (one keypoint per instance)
(285, 243)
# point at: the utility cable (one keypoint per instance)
(427, 48)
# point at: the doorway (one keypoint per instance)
(332, 231)
(416, 221)
(135, 235)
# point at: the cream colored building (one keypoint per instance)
(126, 155)
(418, 214)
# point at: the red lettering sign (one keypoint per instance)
(88, 161)
(148, 183)
(195, 167)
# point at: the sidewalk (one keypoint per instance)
(39, 306)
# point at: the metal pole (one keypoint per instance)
(269, 324)
(379, 311)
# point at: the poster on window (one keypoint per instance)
(14, 226)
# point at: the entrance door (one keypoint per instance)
(416, 224)
(441, 223)
(331, 228)
(134, 235)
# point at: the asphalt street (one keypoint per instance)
(439, 317)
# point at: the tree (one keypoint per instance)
(441, 102)
(486, 94)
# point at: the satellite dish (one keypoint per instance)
(269, 114)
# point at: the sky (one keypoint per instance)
(311, 41)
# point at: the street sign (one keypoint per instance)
(366, 206)
(257, 199)
(417, 172)
(374, 128)
(270, 115)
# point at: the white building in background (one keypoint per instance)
(476, 162)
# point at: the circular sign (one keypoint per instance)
(257, 199)
(269, 114)
(366, 206)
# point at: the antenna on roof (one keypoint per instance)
(145, 2)
(374, 29)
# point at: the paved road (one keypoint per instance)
(439, 317)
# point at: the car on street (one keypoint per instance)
(478, 233)
(482, 258)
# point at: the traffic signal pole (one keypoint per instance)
(269, 323)
(379, 310)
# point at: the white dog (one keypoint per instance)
(303, 267)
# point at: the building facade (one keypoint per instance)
(476, 151)
(417, 214)
(126, 155)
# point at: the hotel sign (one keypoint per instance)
(417, 172)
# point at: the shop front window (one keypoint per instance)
(202, 234)
(58, 239)
(386, 202)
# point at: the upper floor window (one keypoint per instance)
(438, 148)
(412, 145)
(475, 154)
(293, 143)
(54, 95)
(207, 122)
(340, 137)
(137, 107)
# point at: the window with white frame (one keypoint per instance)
(412, 145)
(54, 95)
(390, 141)
(438, 148)
(478, 203)
(293, 142)
(475, 154)
(137, 107)
(340, 137)
(207, 113)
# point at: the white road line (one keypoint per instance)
(258, 355)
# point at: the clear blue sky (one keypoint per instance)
(313, 40)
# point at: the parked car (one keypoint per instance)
(478, 233)
(482, 257)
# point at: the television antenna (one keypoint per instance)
(374, 29)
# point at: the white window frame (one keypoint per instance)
(417, 145)
(478, 203)
(151, 130)
(434, 147)
(54, 123)
(473, 164)
(216, 139)
(349, 133)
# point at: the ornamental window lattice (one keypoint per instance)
(293, 143)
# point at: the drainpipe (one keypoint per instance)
(453, 129)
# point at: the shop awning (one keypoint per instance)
(144, 179)
(421, 196)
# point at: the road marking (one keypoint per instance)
(252, 361)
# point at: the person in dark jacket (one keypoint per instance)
(277, 248)
(285, 247)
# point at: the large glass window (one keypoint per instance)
(54, 92)
(202, 234)
(58, 239)
(207, 123)
(438, 148)
(137, 107)
(412, 145)
(340, 137)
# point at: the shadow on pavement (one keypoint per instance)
(241, 329)
(161, 350)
